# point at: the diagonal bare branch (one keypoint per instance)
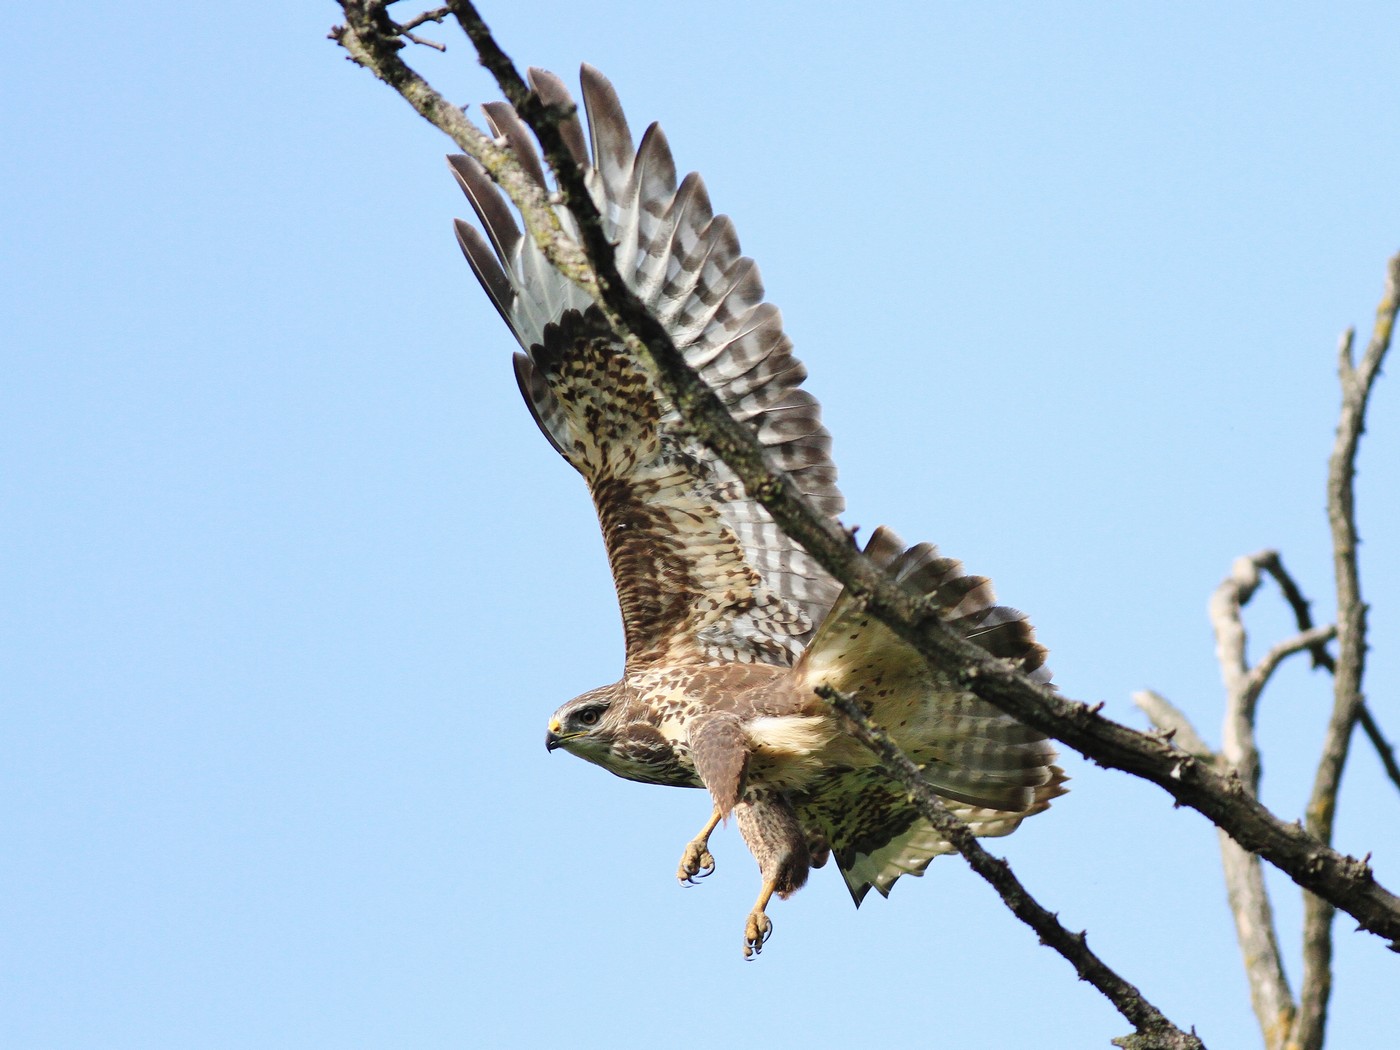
(1259, 675)
(1378, 741)
(1311, 864)
(1153, 1028)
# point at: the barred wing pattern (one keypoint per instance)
(992, 770)
(876, 836)
(703, 573)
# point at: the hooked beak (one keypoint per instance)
(552, 739)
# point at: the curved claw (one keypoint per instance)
(696, 863)
(756, 933)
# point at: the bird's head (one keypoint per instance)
(582, 726)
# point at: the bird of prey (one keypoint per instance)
(729, 624)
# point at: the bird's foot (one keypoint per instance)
(696, 862)
(756, 932)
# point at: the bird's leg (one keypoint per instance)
(697, 861)
(770, 827)
(759, 927)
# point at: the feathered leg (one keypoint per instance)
(770, 828)
(721, 754)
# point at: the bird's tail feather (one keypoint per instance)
(995, 770)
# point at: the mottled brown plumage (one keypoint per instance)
(729, 625)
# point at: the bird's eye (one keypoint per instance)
(589, 716)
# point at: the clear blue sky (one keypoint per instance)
(291, 584)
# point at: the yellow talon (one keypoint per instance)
(697, 861)
(759, 927)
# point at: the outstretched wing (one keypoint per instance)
(992, 770)
(702, 572)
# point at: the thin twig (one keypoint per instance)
(425, 42)
(435, 15)
(1260, 673)
(1272, 563)
(1170, 719)
(1153, 1029)
(1322, 658)
(1356, 382)
(1191, 783)
(1380, 743)
(369, 37)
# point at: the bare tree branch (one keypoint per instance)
(1341, 879)
(370, 38)
(1356, 384)
(1255, 929)
(1174, 724)
(1380, 743)
(1237, 746)
(1250, 906)
(1261, 672)
(435, 15)
(1153, 1029)
(1272, 563)
(1322, 658)
(1287, 1025)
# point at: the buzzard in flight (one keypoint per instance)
(730, 625)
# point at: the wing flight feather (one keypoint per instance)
(992, 770)
(702, 571)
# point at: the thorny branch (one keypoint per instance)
(1153, 1029)
(371, 39)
